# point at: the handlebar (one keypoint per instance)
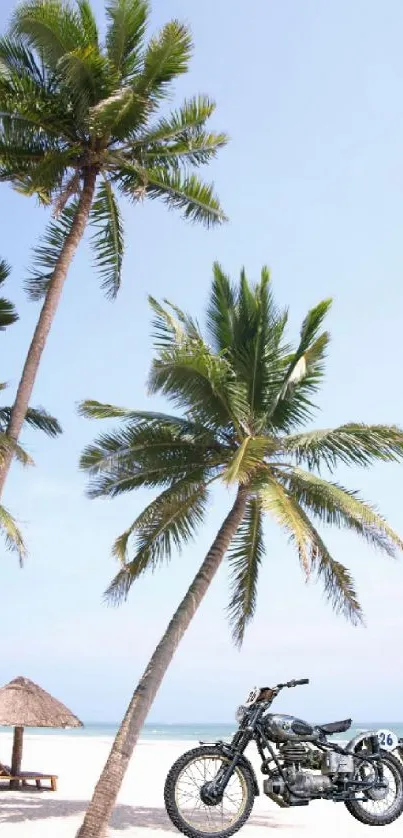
(294, 683)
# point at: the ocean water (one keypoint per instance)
(190, 732)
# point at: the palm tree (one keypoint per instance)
(80, 122)
(36, 418)
(243, 401)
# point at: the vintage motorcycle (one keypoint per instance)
(211, 790)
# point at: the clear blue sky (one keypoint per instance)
(311, 94)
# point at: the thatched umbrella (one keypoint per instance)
(24, 704)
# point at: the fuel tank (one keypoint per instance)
(282, 728)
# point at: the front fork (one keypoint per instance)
(212, 792)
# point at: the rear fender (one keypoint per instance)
(366, 735)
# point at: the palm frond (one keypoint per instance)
(171, 326)
(48, 252)
(245, 557)
(37, 418)
(285, 510)
(92, 409)
(292, 405)
(88, 21)
(248, 458)
(108, 240)
(284, 505)
(21, 153)
(196, 199)
(184, 192)
(17, 60)
(52, 29)
(201, 383)
(333, 504)
(12, 535)
(351, 444)
(257, 351)
(31, 103)
(150, 454)
(5, 271)
(168, 523)
(180, 125)
(311, 326)
(166, 57)
(106, 117)
(221, 310)
(180, 138)
(8, 314)
(33, 122)
(9, 446)
(187, 152)
(88, 76)
(46, 177)
(127, 21)
(310, 341)
(339, 587)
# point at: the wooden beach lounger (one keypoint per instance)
(25, 776)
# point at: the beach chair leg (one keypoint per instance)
(53, 783)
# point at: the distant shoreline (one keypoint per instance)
(171, 732)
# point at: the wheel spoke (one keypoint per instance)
(209, 819)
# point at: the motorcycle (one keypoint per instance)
(211, 789)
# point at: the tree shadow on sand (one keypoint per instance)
(14, 809)
(21, 807)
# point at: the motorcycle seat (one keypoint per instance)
(335, 727)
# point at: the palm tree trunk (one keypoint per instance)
(106, 791)
(46, 318)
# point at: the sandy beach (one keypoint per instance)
(140, 809)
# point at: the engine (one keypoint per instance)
(308, 773)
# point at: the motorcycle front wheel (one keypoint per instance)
(381, 806)
(183, 795)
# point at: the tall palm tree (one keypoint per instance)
(80, 122)
(244, 399)
(36, 418)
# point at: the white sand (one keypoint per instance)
(140, 810)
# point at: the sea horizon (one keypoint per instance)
(191, 731)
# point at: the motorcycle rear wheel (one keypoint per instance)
(185, 806)
(378, 812)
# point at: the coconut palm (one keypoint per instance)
(80, 125)
(243, 401)
(36, 418)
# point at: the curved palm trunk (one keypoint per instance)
(106, 791)
(46, 318)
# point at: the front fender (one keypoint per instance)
(249, 767)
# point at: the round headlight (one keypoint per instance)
(240, 713)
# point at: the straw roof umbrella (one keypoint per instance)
(24, 704)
